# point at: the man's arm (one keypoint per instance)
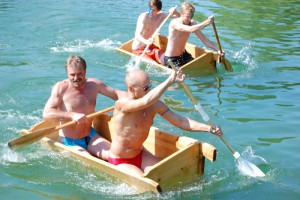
(179, 121)
(51, 109)
(205, 40)
(184, 123)
(177, 25)
(110, 92)
(152, 96)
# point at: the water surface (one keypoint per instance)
(257, 105)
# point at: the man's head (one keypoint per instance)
(138, 83)
(154, 7)
(76, 69)
(187, 12)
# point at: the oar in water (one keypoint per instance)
(39, 134)
(245, 166)
(225, 62)
(153, 36)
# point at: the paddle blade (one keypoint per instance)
(227, 65)
(29, 138)
(247, 168)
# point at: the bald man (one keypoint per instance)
(134, 116)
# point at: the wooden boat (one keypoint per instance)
(205, 60)
(182, 158)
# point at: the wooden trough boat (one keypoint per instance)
(205, 60)
(182, 158)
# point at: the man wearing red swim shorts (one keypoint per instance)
(134, 114)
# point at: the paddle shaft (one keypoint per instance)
(153, 36)
(229, 68)
(246, 167)
(27, 139)
(90, 116)
(217, 37)
(188, 91)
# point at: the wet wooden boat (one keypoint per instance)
(182, 158)
(205, 60)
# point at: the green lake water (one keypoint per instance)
(257, 105)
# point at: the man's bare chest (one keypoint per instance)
(75, 101)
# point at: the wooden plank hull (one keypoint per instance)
(204, 62)
(182, 158)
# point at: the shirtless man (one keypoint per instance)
(179, 33)
(73, 99)
(147, 23)
(134, 116)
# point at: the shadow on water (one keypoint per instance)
(270, 141)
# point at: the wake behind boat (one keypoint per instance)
(182, 159)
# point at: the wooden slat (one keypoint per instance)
(160, 143)
(104, 125)
(179, 168)
(209, 151)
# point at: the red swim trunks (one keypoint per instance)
(153, 53)
(136, 161)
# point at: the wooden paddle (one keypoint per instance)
(39, 134)
(225, 62)
(153, 36)
(246, 167)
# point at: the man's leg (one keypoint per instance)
(99, 147)
(148, 160)
(129, 168)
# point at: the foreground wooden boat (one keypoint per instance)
(182, 158)
(205, 60)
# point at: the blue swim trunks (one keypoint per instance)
(83, 142)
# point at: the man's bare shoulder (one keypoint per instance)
(60, 87)
(162, 14)
(95, 84)
(143, 16)
(62, 84)
(122, 101)
(122, 94)
(94, 80)
(174, 23)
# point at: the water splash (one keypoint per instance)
(249, 154)
(156, 71)
(245, 166)
(9, 156)
(149, 68)
(79, 45)
(131, 64)
(245, 57)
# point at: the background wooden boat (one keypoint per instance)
(205, 60)
(182, 158)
